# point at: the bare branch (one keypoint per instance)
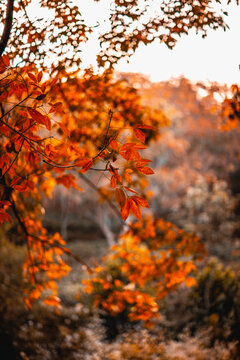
(7, 26)
(94, 187)
(105, 141)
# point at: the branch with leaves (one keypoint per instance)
(44, 143)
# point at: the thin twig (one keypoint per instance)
(13, 160)
(105, 142)
(16, 105)
(31, 145)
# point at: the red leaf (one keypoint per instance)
(32, 77)
(4, 216)
(5, 59)
(4, 63)
(18, 143)
(39, 77)
(54, 81)
(125, 210)
(22, 187)
(15, 181)
(113, 181)
(4, 94)
(40, 118)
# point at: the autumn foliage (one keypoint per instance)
(57, 125)
(151, 259)
(33, 160)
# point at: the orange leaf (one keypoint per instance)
(114, 145)
(145, 170)
(120, 197)
(87, 166)
(139, 135)
(113, 181)
(55, 107)
(135, 208)
(130, 154)
(82, 162)
(139, 126)
(52, 301)
(127, 176)
(125, 210)
(64, 129)
(117, 282)
(68, 180)
(190, 281)
(129, 146)
(140, 201)
(139, 146)
(48, 149)
(142, 162)
(129, 189)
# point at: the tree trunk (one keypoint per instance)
(7, 26)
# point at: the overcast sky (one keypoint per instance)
(215, 58)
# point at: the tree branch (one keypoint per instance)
(94, 187)
(7, 26)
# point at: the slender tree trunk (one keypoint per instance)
(102, 220)
(64, 215)
(7, 26)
